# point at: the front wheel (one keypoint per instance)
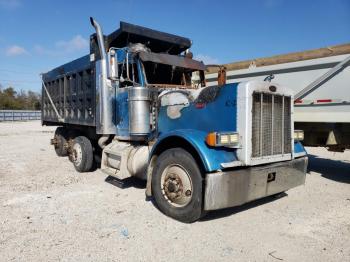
(177, 185)
(82, 154)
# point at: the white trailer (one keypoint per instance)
(320, 79)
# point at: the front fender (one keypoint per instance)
(211, 157)
(299, 149)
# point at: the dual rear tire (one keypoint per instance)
(78, 148)
(60, 140)
(82, 155)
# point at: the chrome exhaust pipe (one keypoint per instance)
(105, 124)
(100, 40)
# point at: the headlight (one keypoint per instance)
(229, 139)
(298, 135)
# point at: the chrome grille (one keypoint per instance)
(271, 125)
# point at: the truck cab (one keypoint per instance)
(146, 112)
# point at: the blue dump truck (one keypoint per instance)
(138, 106)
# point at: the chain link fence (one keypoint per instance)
(19, 115)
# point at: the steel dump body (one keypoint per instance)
(72, 89)
(72, 86)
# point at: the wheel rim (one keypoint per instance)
(77, 154)
(176, 185)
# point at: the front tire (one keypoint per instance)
(177, 185)
(82, 154)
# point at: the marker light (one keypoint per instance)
(298, 135)
(223, 139)
(211, 139)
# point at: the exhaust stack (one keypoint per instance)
(105, 117)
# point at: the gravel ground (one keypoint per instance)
(49, 212)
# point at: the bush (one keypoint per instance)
(10, 99)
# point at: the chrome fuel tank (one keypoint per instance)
(139, 111)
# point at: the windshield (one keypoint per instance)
(159, 70)
(170, 70)
(167, 74)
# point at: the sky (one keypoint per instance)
(38, 35)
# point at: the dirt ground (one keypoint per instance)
(49, 212)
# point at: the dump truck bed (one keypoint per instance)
(72, 90)
(72, 86)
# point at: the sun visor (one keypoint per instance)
(172, 60)
(155, 40)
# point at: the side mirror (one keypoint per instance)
(112, 65)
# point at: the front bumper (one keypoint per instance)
(233, 188)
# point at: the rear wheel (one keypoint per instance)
(59, 141)
(177, 185)
(82, 154)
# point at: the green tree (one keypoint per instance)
(11, 99)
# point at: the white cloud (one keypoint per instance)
(207, 59)
(15, 50)
(10, 4)
(75, 44)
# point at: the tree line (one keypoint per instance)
(10, 99)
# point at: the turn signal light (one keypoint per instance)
(211, 139)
